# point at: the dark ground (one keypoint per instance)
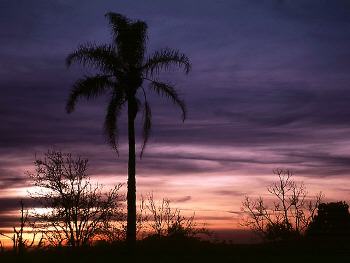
(193, 251)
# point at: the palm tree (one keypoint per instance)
(126, 75)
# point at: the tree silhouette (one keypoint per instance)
(74, 210)
(124, 69)
(332, 221)
(287, 216)
(163, 220)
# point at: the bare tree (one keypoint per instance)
(288, 215)
(74, 211)
(19, 242)
(161, 219)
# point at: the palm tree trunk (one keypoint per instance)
(131, 195)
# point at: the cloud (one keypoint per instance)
(11, 176)
(11, 204)
(182, 199)
(230, 193)
(269, 88)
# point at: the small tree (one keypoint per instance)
(19, 242)
(74, 211)
(287, 216)
(161, 220)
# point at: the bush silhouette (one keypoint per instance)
(332, 221)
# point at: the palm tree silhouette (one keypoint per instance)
(124, 69)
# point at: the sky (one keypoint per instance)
(269, 88)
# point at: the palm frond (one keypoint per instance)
(167, 90)
(89, 88)
(118, 22)
(130, 38)
(164, 59)
(131, 44)
(137, 44)
(111, 119)
(138, 104)
(147, 124)
(101, 57)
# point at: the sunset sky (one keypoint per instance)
(269, 89)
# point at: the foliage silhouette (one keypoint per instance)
(124, 69)
(331, 222)
(75, 210)
(288, 216)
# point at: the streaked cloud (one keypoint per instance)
(269, 88)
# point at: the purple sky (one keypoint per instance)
(269, 88)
